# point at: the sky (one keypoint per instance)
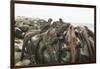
(68, 14)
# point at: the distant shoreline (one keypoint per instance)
(89, 25)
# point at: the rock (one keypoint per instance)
(17, 49)
(18, 45)
(23, 62)
(17, 56)
(19, 33)
(24, 28)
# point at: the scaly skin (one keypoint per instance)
(70, 40)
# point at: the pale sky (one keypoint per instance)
(68, 14)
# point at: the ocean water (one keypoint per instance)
(89, 25)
